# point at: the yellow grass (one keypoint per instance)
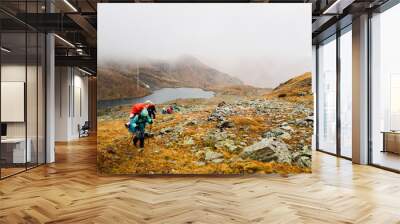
(116, 155)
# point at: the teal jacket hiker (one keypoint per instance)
(138, 122)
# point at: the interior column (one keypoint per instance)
(360, 90)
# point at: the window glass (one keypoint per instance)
(327, 96)
(15, 151)
(346, 94)
(385, 87)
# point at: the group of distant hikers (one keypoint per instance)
(142, 114)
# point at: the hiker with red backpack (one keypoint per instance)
(140, 115)
(137, 126)
(138, 107)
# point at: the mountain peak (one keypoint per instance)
(188, 59)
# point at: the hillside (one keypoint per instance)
(297, 89)
(114, 84)
(120, 82)
(240, 130)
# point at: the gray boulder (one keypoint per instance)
(268, 150)
(302, 158)
(276, 133)
(228, 144)
(211, 155)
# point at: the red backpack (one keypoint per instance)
(137, 108)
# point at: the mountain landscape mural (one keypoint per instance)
(180, 105)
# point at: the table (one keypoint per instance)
(13, 150)
(391, 141)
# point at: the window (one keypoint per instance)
(22, 88)
(327, 96)
(385, 89)
(346, 93)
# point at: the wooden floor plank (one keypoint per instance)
(70, 191)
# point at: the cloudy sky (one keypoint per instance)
(261, 44)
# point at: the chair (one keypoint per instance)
(84, 130)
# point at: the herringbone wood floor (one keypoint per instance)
(70, 191)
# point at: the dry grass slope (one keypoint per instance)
(184, 149)
(297, 89)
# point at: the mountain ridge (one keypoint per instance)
(117, 81)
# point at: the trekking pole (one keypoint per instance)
(130, 139)
(148, 137)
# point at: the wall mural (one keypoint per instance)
(204, 88)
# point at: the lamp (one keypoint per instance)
(70, 5)
(84, 71)
(5, 50)
(337, 7)
(64, 40)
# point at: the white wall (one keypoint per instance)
(71, 87)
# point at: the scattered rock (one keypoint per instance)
(211, 155)
(309, 119)
(235, 159)
(227, 144)
(225, 124)
(217, 161)
(188, 141)
(273, 133)
(221, 112)
(199, 154)
(148, 134)
(303, 158)
(268, 150)
(166, 130)
(190, 123)
(301, 123)
(285, 136)
(221, 104)
(156, 150)
(286, 127)
(199, 163)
